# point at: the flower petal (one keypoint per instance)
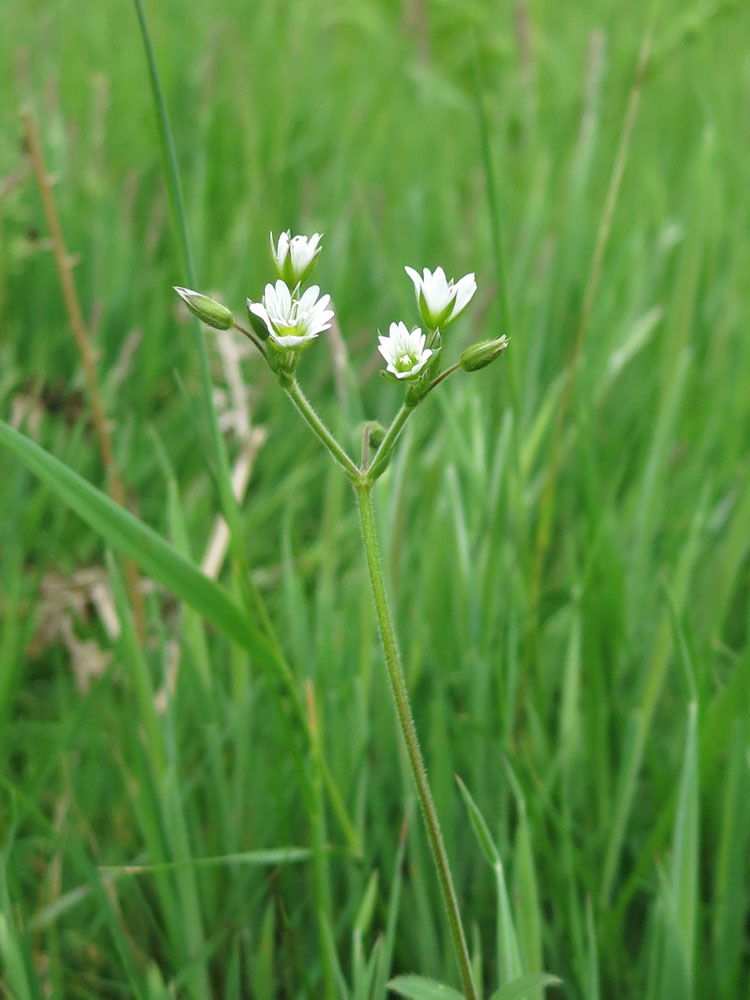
(465, 289)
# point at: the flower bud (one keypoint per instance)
(208, 311)
(376, 433)
(482, 354)
(294, 257)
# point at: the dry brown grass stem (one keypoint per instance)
(85, 350)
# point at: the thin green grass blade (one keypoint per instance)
(492, 199)
(233, 990)
(526, 894)
(134, 659)
(11, 631)
(262, 979)
(15, 975)
(508, 953)
(482, 831)
(678, 887)
(684, 863)
(361, 924)
(670, 977)
(82, 865)
(528, 908)
(331, 965)
(385, 958)
(592, 966)
(363, 983)
(270, 857)
(192, 627)
(730, 890)
(321, 868)
(156, 989)
(477, 958)
(643, 715)
(197, 970)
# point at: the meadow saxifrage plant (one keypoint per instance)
(284, 323)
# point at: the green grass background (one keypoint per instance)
(569, 569)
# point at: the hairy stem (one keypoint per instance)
(409, 732)
(292, 388)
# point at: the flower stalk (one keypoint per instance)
(383, 454)
(291, 387)
(409, 733)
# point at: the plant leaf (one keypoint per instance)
(419, 988)
(525, 985)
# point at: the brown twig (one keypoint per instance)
(85, 350)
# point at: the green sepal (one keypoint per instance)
(282, 360)
(418, 390)
(259, 327)
(433, 365)
(389, 376)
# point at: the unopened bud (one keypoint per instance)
(482, 354)
(208, 311)
(376, 433)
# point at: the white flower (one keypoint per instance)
(294, 256)
(440, 301)
(404, 351)
(291, 322)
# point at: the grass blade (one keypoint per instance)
(126, 533)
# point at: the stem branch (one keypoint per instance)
(292, 388)
(383, 453)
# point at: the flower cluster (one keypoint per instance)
(288, 319)
(410, 354)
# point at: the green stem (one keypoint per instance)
(444, 375)
(409, 732)
(292, 388)
(383, 453)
